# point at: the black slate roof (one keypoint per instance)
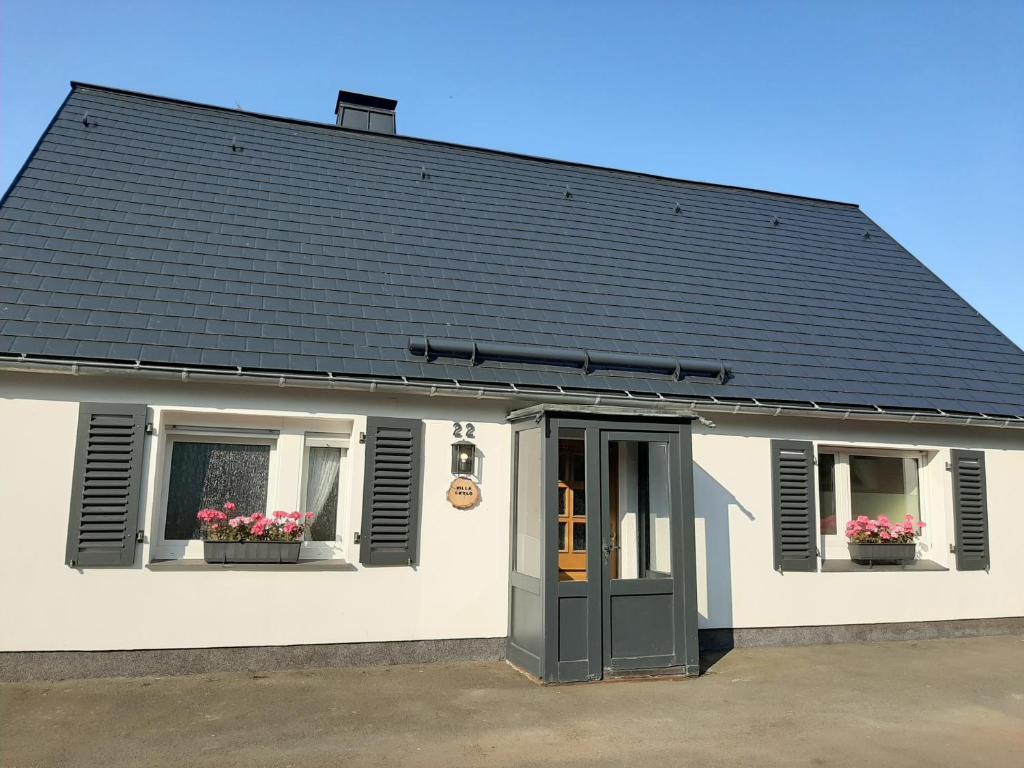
(154, 230)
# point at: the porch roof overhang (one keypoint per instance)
(664, 412)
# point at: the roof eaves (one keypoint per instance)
(734, 405)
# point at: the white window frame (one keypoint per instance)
(193, 548)
(834, 546)
(289, 438)
(318, 550)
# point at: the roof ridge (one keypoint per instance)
(76, 84)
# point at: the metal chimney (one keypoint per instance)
(365, 113)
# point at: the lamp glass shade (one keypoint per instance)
(463, 458)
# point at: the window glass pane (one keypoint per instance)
(579, 469)
(640, 514)
(562, 545)
(884, 486)
(323, 475)
(210, 474)
(827, 493)
(528, 502)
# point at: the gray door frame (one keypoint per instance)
(640, 587)
(576, 614)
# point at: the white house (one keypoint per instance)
(584, 419)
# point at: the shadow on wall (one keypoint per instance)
(713, 505)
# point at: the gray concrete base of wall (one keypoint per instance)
(25, 666)
(726, 639)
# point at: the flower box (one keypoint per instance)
(882, 553)
(882, 540)
(255, 538)
(251, 551)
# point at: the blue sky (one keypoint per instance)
(914, 110)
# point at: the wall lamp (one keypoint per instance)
(463, 458)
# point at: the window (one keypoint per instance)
(868, 482)
(884, 486)
(324, 470)
(207, 474)
(259, 470)
(528, 501)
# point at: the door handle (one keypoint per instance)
(607, 549)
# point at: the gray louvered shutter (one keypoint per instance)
(391, 492)
(106, 485)
(794, 512)
(970, 510)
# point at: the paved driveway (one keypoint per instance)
(932, 703)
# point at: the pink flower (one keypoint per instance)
(229, 506)
(920, 525)
(234, 522)
(885, 535)
(310, 515)
(291, 528)
(279, 514)
(294, 515)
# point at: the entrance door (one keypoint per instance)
(620, 593)
(641, 551)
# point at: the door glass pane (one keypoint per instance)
(210, 475)
(528, 502)
(639, 510)
(884, 486)
(827, 493)
(323, 474)
(572, 492)
(579, 536)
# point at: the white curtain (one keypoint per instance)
(324, 465)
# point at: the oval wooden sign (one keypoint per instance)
(463, 493)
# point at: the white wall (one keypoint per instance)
(459, 588)
(736, 583)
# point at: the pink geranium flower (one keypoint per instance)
(229, 506)
(864, 530)
(276, 526)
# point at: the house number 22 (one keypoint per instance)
(457, 430)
